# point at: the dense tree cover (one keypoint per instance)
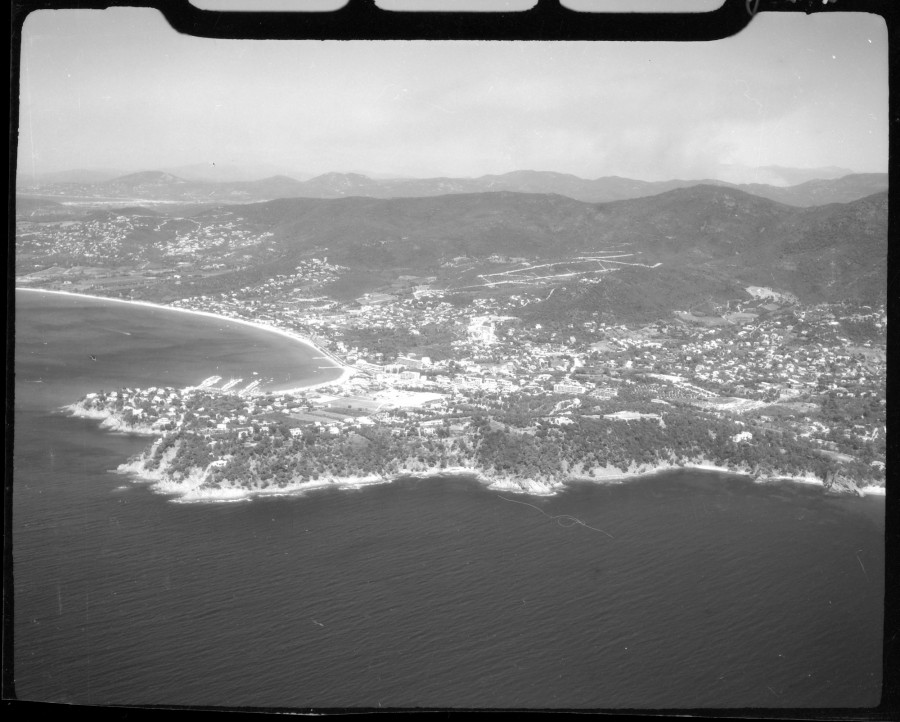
(521, 442)
(860, 330)
(192, 452)
(277, 459)
(165, 443)
(431, 339)
(838, 409)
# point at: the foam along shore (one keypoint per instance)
(193, 488)
(612, 474)
(346, 371)
(109, 420)
(873, 490)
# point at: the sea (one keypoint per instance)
(685, 589)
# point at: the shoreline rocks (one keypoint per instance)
(840, 485)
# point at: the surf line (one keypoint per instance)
(572, 521)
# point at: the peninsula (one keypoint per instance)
(530, 338)
(212, 445)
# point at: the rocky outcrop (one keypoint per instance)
(837, 484)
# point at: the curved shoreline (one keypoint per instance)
(535, 487)
(191, 488)
(346, 371)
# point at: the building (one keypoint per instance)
(568, 388)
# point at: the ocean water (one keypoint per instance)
(686, 589)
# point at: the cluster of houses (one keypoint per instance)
(752, 355)
(219, 235)
(95, 240)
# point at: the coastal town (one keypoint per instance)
(471, 356)
(372, 358)
(427, 385)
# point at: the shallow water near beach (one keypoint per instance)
(683, 589)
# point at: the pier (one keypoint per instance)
(248, 388)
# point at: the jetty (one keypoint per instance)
(248, 388)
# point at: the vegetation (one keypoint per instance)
(513, 440)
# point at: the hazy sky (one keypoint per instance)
(120, 89)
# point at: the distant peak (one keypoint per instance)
(148, 176)
(278, 179)
(334, 175)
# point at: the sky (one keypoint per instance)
(119, 89)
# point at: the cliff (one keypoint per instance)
(108, 419)
(841, 485)
(199, 484)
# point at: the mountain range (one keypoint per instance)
(777, 175)
(822, 240)
(686, 244)
(156, 186)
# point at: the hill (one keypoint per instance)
(712, 238)
(823, 191)
(83, 176)
(162, 186)
(637, 258)
(147, 181)
(599, 190)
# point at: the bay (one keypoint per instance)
(712, 591)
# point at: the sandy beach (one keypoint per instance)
(346, 371)
(189, 489)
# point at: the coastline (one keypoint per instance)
(613, 475)
(346, 371)
(192, 488)
(108, 420)
(189, 490)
